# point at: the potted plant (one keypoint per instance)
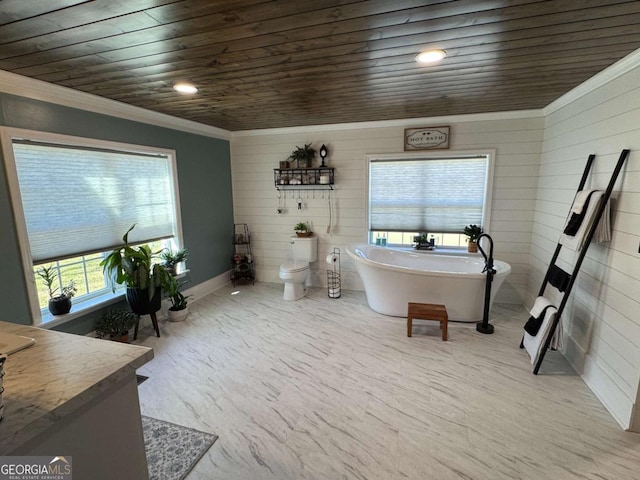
(115, 325)
(58, 304)
(422, 242)
(303, 155)
(137, 269)
(473, 232)
(178, 310)
(302, 230)
(171, 259)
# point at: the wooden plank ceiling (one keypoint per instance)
(264, 64)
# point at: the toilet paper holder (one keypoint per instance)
(333, 275)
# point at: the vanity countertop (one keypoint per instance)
(55, 377)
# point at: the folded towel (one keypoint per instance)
(534, 323)
(582, 197)
(537, 312)
(559, 278)
(535, 344)
(576, 218)
(603, 232)
(538, 306)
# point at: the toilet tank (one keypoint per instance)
(305, 248)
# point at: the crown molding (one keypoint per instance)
(610, 73)
(47, 92)
(401, 122)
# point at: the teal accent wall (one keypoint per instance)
(204, 181)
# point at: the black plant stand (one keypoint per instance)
(154, 321)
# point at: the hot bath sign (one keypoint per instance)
(426, 138)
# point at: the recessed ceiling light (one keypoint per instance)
(185, 88)
(431, 56)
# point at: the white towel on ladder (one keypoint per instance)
(603, 231)
(535, 344)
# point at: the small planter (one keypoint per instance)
(59, 305)
(472, 247)
(123, 338)
(178, 315)
(304, 234)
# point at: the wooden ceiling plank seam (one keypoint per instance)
(82, 15)
(533, 33)
(15, 10)
(331, 95)
(47, 79)
(322, 34)
(308, 9)
(577, 74)
(487, 92)
(77, 71)
(354, 70)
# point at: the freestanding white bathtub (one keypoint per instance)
(393, 278)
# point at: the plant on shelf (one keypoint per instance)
(178, 309)
(303, 156)
(115, 325)
(137, 269)
(302, 230)
(61, 303)
(422, 242)
(171, 259)
(473, 232)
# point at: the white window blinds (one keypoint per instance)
(79, 200)
(426, 195)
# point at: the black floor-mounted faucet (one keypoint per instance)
(485, 326)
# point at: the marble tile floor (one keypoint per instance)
(328, 389)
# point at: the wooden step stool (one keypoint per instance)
(427, 311)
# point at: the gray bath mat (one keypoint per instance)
(173, 450)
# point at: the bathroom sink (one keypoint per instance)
(10, 343)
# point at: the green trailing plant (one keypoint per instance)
(136, 267)
(303, 156)
(115, 323)
(473, 232)
(49, 277)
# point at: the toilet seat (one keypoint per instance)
(294, 266)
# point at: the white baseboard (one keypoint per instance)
(205, 288)
(197, 292)
(602, 385)
(634, 424)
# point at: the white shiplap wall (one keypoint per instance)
(517, 142)
(602, 323)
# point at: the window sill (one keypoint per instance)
(438, 250)
(80, 309)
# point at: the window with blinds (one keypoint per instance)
(80, 200)
(427, 194)
(74, 198)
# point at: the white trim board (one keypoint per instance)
(610, 73)
(47, 92)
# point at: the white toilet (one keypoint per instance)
(294, 273)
